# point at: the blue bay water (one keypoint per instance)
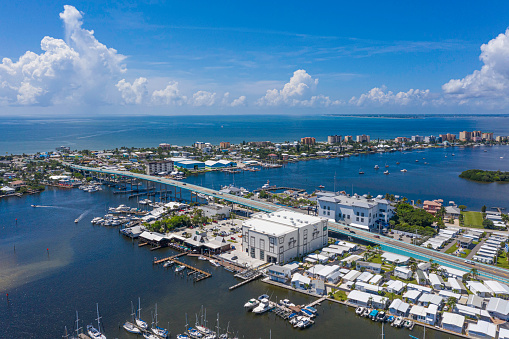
(33, 135)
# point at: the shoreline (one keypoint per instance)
(439, 329)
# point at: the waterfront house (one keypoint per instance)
(7, 190)
(403, 272)
(318, 287)
(326, 271)
(300, 282)
(483, 329)
(432, 206)
(334, 277)
(399, 308)
(154, 239)
(431, 314)
(364, 299)
(453, 322)
(17, 184)
(279, 273)
(498, 308)
(418, 313)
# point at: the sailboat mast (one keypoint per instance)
(77, 325)
(98, 318)
(156, 314)
(139, 308)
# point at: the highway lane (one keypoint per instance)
(417, 252)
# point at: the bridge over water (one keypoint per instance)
(386, 243)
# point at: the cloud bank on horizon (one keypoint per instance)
(82, 70)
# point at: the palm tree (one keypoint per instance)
(474, 273)
(451, 302)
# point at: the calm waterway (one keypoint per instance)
(37, 135)
(88, 264)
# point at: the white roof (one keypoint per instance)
(418, 310)
(376, 279)
(152, 236)
(412, 294)
(483, 327)
(496, 287)
(455, 284)
(326, 270)
(453, 319)
(364, 297)
(392, 257)
(418, 287)
(476, 287)
(402, 269)
(396, 285)
(498, 305)
(399, 305)
(365, 277)
(352, 275)
(267, 227)
(503, 333)
(431, 298)
(300, 278)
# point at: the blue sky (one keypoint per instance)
(205, 57)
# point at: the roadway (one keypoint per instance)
(388, 244)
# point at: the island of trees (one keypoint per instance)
(485, 176)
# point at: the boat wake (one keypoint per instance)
(82, 215)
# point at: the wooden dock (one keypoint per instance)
(316, 302)
(200, 273)
(254, 277)
(159, 261)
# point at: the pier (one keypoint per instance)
(200, 274)
(252, 278)
(317, 302)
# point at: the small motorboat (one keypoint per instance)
(366, 312)
(381, 316)
(386, 172)
(180, 268)
(377, 167)
(168, 263)
(403, 170)
(202, 258)
(398, 322)
(390, 319)
(262, 307)
(129, 327)
(416, 160)
(182, 336)
(214, 263)
(359, 310)
(321, 186)
(397, 163)
(251, 303)
(409, 324)
(77, 220)
(286, 303)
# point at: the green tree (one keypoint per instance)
(483, 209)
(462, 207)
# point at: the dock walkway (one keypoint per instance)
(254, 277)
(201, 274)
(316, 302)
(159, 261)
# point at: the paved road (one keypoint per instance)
(393, 245)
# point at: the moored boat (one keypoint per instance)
(251, 303)
(359, 310)
(129, 327)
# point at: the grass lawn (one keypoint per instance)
(502, 261)
(340, 295)
(452, 249)
(376, 259)
(467, 252)
(472, 219)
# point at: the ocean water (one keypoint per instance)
(89, 264)
(34, 135)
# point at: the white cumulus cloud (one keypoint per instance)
(379, 96)
(240, 101)
(134, 93)
(169, 96)
(80, 69)
(490, 84)
(203, 98)
(297, 92)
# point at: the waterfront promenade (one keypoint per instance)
(387, 244)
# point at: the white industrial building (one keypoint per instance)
(356, 211)
(156, 167)
(282, 236)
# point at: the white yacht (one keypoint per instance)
(251, 303)
(263, 307)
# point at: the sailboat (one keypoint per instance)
(161, 332)
(184, 335)
(78, 328)
(130, 327)
(95, 333)
(202, 328)
(138, 320)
